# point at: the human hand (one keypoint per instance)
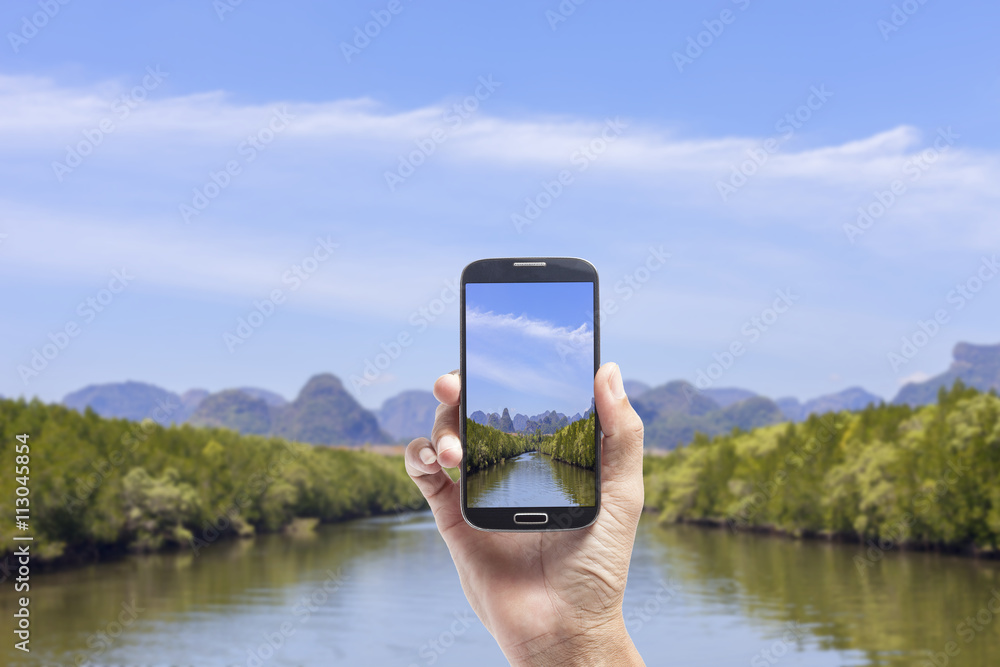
(547, 597)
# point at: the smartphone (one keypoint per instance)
(530, 347)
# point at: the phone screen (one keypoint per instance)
(530, 418)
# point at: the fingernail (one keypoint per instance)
(427, 455)
(615, 382)
(448, 442)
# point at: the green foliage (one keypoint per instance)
(573, 444)
(488, 446)
(155, 509)
(105, 484)
(927, 476)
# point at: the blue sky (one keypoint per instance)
(226, 157)
(530, 347)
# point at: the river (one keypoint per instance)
(532, 479)
(384, 592)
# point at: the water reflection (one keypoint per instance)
(532, 479)
(695, 597)
(889, 611)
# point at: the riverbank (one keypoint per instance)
(892, 476)
(880, 545)
(99, 488)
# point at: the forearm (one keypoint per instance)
(610, 645)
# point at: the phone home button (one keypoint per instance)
(535, 518)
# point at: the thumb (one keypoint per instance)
(621, 449)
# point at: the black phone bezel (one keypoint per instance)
(503, 270)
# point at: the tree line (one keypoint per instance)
(927, 477)
(487, 446)
(104, 485)
(574, 444)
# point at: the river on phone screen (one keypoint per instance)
(532, 479)
(384, 592)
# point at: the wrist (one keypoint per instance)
(605, 644)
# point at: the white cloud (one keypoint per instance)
(916, 378)
(171, 142)
(582, 336)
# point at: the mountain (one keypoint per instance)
(550, 415)
(634, 388)
(978, 366)
(677, 397)
(131, 400)
(674, 412)
(324, 413)
(853, 398)
(408, 415)
(506, 423)
(728, 396)
(272, 399)
(192, 398)
(234, 409)
(549, 422)
(520, 422)
(141, 400)
(790, 407)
